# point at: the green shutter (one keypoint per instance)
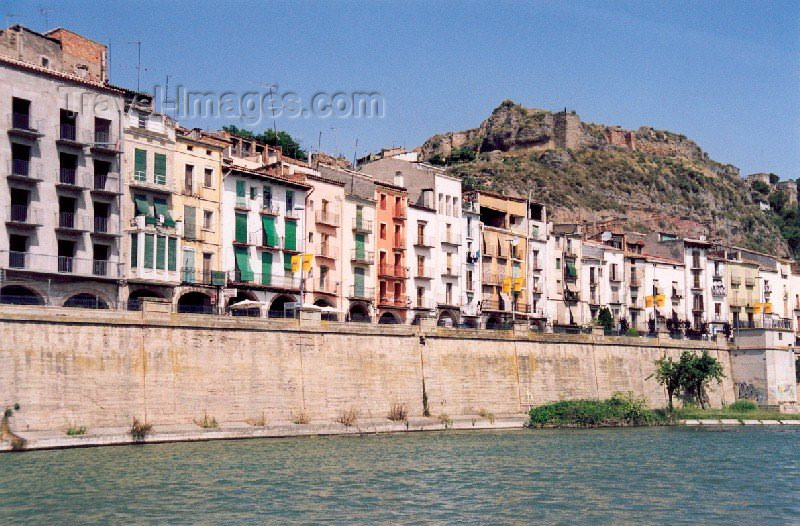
(291, 235)
(189, 222)
(243, 264)
(240, 189)
(358, 275)
(266, 268)
(287, 261)
(571, 271)
(172, 254)
(134, 250)
(241, 228)
(360, 246)
(270, 234)
(515, 269)
(187, 271)
(142, 208)
(161, 251)
(148, 250)
(140, 165)
(160, 204)
(160, 168)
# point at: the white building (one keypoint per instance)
(472, 286)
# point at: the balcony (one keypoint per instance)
(572, 296)
(399, 212)
(24, 171)
(424, 241)
(718, 290)
(326, 251)
(570, 253)
(425, 273)
(399, 243)
(238, 277)
(635, 281)
(68, 135)
(23, 216)
(636, 303)
(102, 142)
(696, 264)
(292, 214)
(362, 225)
(393, 301)
(70, 179)
(423, 303)
(325, 287)
(390, 271)
(677, 296)
(361, 293)
(445, 302)
(327, 218)
(361, 256)
(107, 184)
(267, 209)
(615, 278)
(492, 279)
(103, 226)
(23, 125)
(451, 238)
(451, 272)
(536, 288)
(145, 181)
(60, 265)
(241, 204)
(71, 222)
(194, 276)
(536, 265)
(697, 285)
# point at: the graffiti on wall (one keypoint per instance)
(748, 391)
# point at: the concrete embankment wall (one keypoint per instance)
(101, 369)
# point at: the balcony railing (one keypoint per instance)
(423, 303)
(392, 271)
(196, 276)
(25, 124)
(292, 214)
(328, 286)
(266, 280)
(327, 218)
(536, 288)
(392, 301)
(68, 132)
(104, 225)
(492, 279)
(326, 251)
(101, 140)
(399, 212)
(362, 225)
(451, 238)
(424, 241)
(269, 209)
(72, 221)
(260, 239)
(24, 215)
(25, 169)
(59, 264)
(451, 272)
(365, 257)
(572, 295)
(361, 293)
(423, 272)
(71, 177)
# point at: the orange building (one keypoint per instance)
(390, 225)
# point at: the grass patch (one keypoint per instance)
(74, 430)
(300, 417)
(445, 420)
(485, 413)
(731, 412)
(622, 409)
(397, 412)
(347, 417)
(207, 422)
(259, 421)
(743, 406)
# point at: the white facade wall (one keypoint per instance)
(423, 275)
(349, 213)
(450, 261)
(471, 289)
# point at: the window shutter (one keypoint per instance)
(291, 235)
(140, 165)
(240, 189)
(241, 228)
(189, 222)
(243, 264)
(134, 250)
(270, 234)
(160, 168)
(161, 252)
(172, 254)
(266, 268)
(148, 250)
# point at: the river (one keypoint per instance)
(743, 475)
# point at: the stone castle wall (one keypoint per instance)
(101, 369)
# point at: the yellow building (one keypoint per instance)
(198, 174)
(743, 289)
(504, 245)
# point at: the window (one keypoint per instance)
(383, 201)
(208, 179)
(160, 168)
(190, 148)
(267, 194)
(189, 178)
(140, 165)
(253, 192)
(208, 220)
(289, 201)
(45, 62)
(558, 263)
(383, 231)
(142, 121)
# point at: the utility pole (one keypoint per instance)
(138, 64)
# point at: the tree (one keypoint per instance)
(288, 145)
(668, 373)
(774, 178)
(697, 372)
(605, 319)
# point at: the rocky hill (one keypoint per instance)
(649, 180)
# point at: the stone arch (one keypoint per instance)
(276, 308)
(135, 296)
(417, 319)
(13, 294)
(195, 302)
(359, 313)
(327, 316)
(389, 318)
(494, 322)
(244, 295)
(86, 300)
(446, 315)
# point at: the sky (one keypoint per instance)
(724, 73)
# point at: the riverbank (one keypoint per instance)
(240, 430)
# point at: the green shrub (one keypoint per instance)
(73, 430)
(632, 332)
(620, 409)
(743, 406)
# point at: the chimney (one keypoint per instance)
(398, 178)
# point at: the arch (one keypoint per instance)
(327, 316)
(85, 300)
(445, 316)
(417, 319)
(244, 295)
(494, 322)
(389, 318)
(471, 323)
(195, 302)
(136, 295)
(359, 313)
(276, 308)
(19, 295)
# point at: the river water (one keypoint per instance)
(741, 475)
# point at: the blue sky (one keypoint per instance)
(726, 74)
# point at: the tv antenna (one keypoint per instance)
(272, 88)
(138, 63)
(167, 100)
(46, 14)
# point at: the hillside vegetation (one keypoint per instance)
(666, 182)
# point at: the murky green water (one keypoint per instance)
(659, 475)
